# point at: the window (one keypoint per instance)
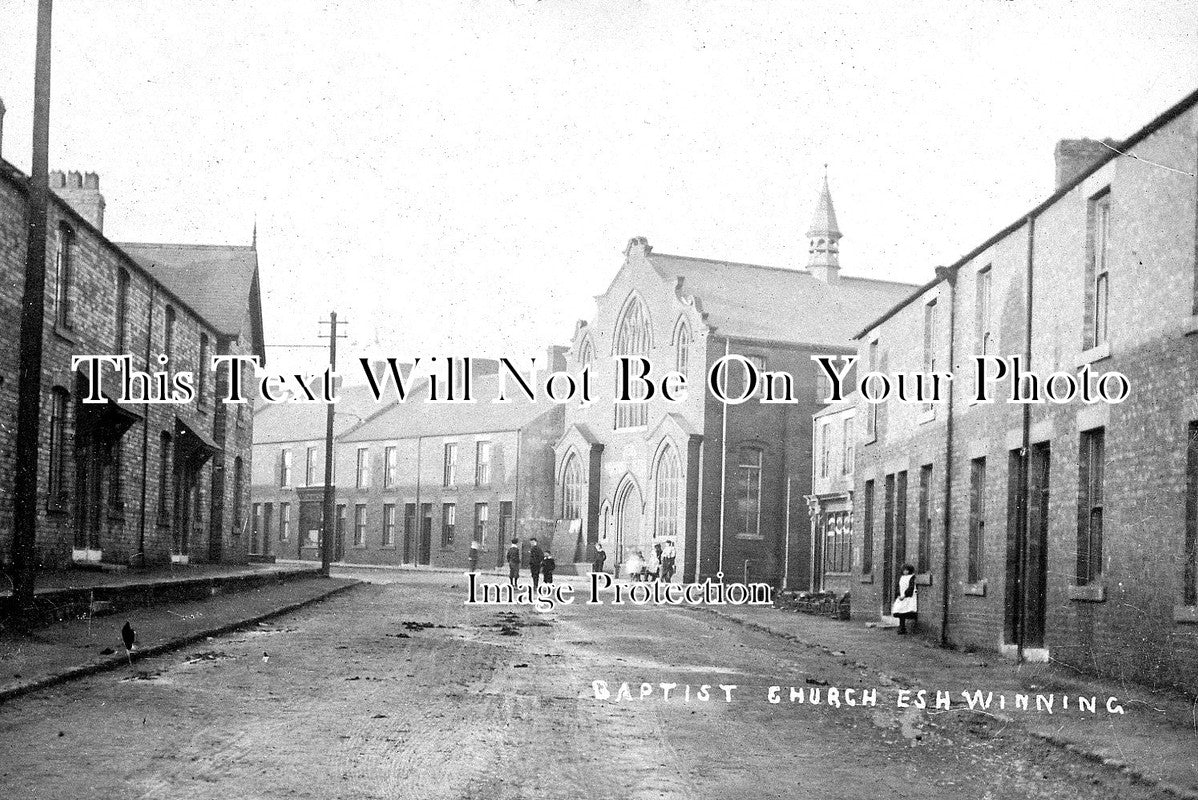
(256, 527)
(929, 343)
(825, 449)
(340, 524)
(116, 502)
(748, 493)
(867, 522)
(58, 445)
(682, 347)
(871, 421)
(388, 525)
(390, 466)
(838, 555)
(310, 467)
(1089, 517)
(982, 304)
(572, 488)
(923, 556)
(64, 275)
(1191, 535)
(285, 468)
(449, 518)
(669, 490)
(632, 339)
(586, 353)
(362, 474)
(168, 347)
(238, 482)
(284, 521)
(409, 531)
(846, 468)
(506, 523)
(977, 520)
(164, 461)
(359, 525)
(900, 518)
(122, 308)
(451, 464)
(481, 512)
(482, 463)
(202, 368)
(1098, 292)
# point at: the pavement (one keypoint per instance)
(58, 580)
(76, 648)
(1154, 740)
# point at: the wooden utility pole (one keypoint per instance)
(328, 523)
(33, 314)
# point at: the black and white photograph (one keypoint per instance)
(629, 399)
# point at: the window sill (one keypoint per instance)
(1096, 353)
(1088, 593)
(975, 589)
(866, 578)
(65, 333)
(1191, 326)
(831, 574)
(753, 537)
(386, 547)
(1185, 615)
(923, 579)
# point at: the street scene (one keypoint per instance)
(395, 689)
(547, 398)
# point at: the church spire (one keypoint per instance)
(823, 238)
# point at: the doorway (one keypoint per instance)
(629, 509)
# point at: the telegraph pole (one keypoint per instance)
(328, 521)
(33, 315)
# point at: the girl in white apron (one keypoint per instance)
(904, 606)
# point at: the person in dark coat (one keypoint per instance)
(535, 556)
(600, 558)
(513, 562)
(548, 565)
(474, 555)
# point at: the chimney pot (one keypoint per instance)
(58, 179)
(91, 180)
(74, 179)
(82, 193)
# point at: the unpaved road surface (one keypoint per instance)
(397, 690)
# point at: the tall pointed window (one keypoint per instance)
(682, 347)
(669, 489)
(572, 488)
(632, 339)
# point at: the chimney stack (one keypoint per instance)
(81, 191)
(1075, 156)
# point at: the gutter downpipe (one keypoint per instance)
(723, 459)
(699, 521)
(949, 275)
(1026, 459)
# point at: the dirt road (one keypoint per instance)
(396, 690)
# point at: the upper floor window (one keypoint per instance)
(122, 308)
(825, 449)
(310, 467)
(929, 342)
(1098, 290)
(390, 466)
(982, 302)
(633, 339)
(64, 275)
(871, 419)
(285, 468)
(168, 347)
(682, 347)
(482, 463)
(202, 368)
(846, 467)
(572, 488)
(363, 468)
(450, 476)
(748, 493)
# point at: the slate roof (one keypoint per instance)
(219, 281)
(416, 417)
(781, 305)
(301, 422)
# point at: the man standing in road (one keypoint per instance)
(669, 557)
(535, 557)
(513, 563)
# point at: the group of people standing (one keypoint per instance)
(541, 563)
(660, 565)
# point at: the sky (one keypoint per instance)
(462, 177)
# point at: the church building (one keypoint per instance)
(725, 483)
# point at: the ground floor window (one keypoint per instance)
(838, 556)
(360, 525)
(449, 514)
(388, 525)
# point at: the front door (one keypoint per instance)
(91, 458)
(185, 503)
(426, 534)
(628, 523)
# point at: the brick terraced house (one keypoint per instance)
(127, 483)
(1052, 530)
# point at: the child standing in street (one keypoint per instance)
(905, 605)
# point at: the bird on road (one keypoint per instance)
(128, 637)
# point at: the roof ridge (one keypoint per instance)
(796, 271)
(185, 244)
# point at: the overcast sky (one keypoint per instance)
(463, 176)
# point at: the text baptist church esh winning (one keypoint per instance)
(724, 482)
(127, 484)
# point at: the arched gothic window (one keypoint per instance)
(632, 339)
(669, 490)
(682, 346)
(586, 353)
(572, 488)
